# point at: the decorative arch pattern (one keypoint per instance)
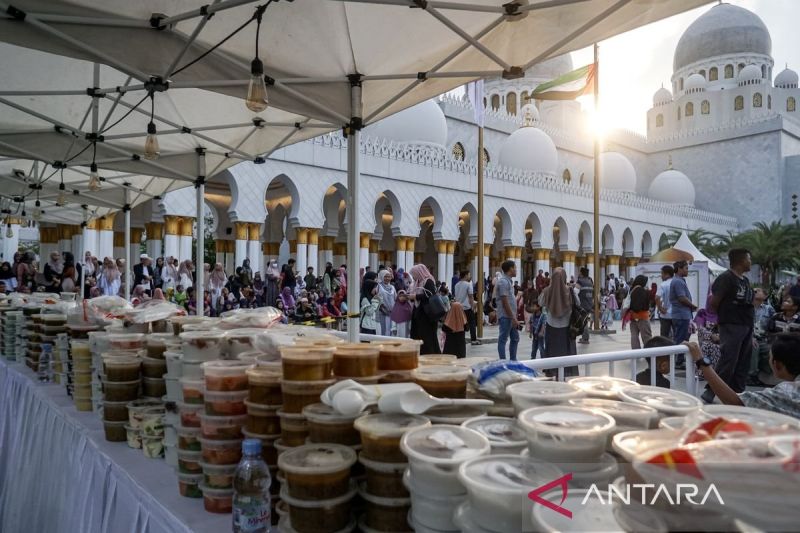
(689, 109)
(738, 103)
(458, 152)
(757, 100)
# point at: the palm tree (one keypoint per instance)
(712, 245)
(772, 245)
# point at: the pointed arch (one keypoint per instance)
(585, 239)
(506, 225)
(430, 212)
(627, 243)
(607, 244)
(533, 227)
(560, 227)
(647, 244)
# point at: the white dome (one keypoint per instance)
(617, 172)
(422, 123)
(529, 113)
(529, 149)
(724, 29)
(787, 79)
(673, 187)
(749, 73)
(662, 96)
(695, 82)
(550, 69)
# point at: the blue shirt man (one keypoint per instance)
(680, 300)
(507, 312)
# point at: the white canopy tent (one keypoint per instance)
(329, 64)
(685, 245)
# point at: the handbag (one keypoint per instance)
(434, 307)
(578, 319)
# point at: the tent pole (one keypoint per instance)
(596, 193)
(200, 185)
(481, 274)
(353, 278)
(128, 265)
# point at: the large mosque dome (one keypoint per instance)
(617, 172)
(724, 29)
(673, 187)
(422, 123)
(529, 149)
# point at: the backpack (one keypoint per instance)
(578, 319)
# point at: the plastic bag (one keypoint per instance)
(493, 377)
(151, 311)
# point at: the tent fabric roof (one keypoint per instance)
(686, 245)
(311, 49)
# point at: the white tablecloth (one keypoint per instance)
(59, 474)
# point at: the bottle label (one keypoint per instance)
(251, 515)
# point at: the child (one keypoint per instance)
(401, 314)
(180, 297)
(606, 314)
(662, 364)
(191, 303)
(370, 301)
(536, 324)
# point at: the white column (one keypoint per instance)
(201, 232)
(441, 262)
(518, 265)
(568, 263)
(400, 259)
(449, 260)
(373, 260)
(65, 245)
(229, 264)
(353, 172)
(185, 249)
(105, 244)
(172, 246)
(612, 265)
(153, 247)
(90, 243)
(255, 256)
(473, 267)
(302, 251)
(11, 244)
(127, 253)
(312, 253)
(75, 245)
(241, 252)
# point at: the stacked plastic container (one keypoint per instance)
(81, 374)
(12, 329)
(33, 334)
(121, 380)
(51, 326)
(61, 357)
(397, 360)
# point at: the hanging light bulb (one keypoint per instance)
(257, 90)
(94, 178)
(62, 195)
(37, 211)
(151, 150)
(9, 231)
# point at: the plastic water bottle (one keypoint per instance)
(45, 370)
(251, 482)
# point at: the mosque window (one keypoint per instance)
(679, 113)
(659, 120)
(680, 84)
(705, 107)
(757, 100)
(763, 71)
(495, 102)
(486, 158)
(791, 104)
(702, 72)
(523, 98)
(741, 66)
(728, 72)
(511, 103)
(567, 176)
(713, 74)
(738, 103)
(458, 152)
(484, 102)
(689, 109)
(769, 101)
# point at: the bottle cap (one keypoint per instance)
(251, 446)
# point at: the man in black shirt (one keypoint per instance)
(732, 299)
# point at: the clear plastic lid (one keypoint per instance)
(356, 350)
(590, 512)
(665, 400)
(317, 459)
(324, 414)
(242, 334)
(498, 429)
(223, 368)
(671, 422)
(126, 337)
(613, 406)
(444, 444)
(751, 415)
(454, 414)
(566, 420)
(161, 339)
(440, 360)
(390, 425)
(441, 373)
(264, 375)
(315, 504)
(630, 444)
(602, 386)
(506, 474)
(307, 354)
(207, 335)
(551, 391)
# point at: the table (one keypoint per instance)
(58, 473)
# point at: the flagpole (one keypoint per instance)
(596, 193)
(479, 295)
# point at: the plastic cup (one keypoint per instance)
(225, 403)
(263, 419)
(381, 434)
(563, 434)
(221, 452)
(526, 394)
(443, 381)
(317, 472)
(298, 394)
(265, 385)
(355, 360)
(505, 434)
(306, 363)
(384, 479)
(326, 425)
(202, 346)
(403, 355)
(230, 375)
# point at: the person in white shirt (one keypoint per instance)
(185, 277)
(662, 301)
(464, 293)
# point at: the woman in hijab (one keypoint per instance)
(216, 282)
(399, 280)
(422, 326)
(246, 274)
(271, 291)
(401, 314)
(206, 275)
(109, 281)
(455, 342)
(158, 294)
(89, 265)
(139, 295)
(558, 299)
(258, 289)
(640, 312)
(7, 276)
(26, 272)
(327, 279)
(388, 295)
(52, 272)
(287, 299)
(185, 277)
(169, 274)
(369, 306)
(70, 275)
(158, 282)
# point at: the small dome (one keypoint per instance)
(422, 123)
(617, 172)
(673, 187)
(529, 149)
(662, 96)
(529, 114)
(749, 73)
(695, 82)
(786, 79)
(722, 30)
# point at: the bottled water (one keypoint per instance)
(45, 368)
(251, 482)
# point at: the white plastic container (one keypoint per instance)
(498, 487)
(527, 394)
(435, 453)
(202, 346)
(174, 364)
(668, 402)
(504, 434)
(605, 387)
(629, 416)
(564, 434)
(455, 414)
(174, 388)
(750, 415)
(431, 510)
(630, 444)
(589, 515)
(191, 370)
(171, 456)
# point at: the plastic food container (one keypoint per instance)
(174, 389)
(157, 344)
(604, 387)
(317, 471)
(443, 381)
(193, 390)
(669, 402)
(384, 479)
(154, 387)
(221, 452)
(601, 473)
(82, 377)
(179, 321)
(630, 444)
(563, 434)
(228, 375)
(174, 364)
(386, 514)
(171, 455)
(217, 500)
(629, 416)
(138, 408)
(225, 403)
(202, 346)
(326, 516)
(355, 360)
(80, 349)
(115, 411)
(153, 368)
(222, 427)
(430, 510)
(454, 414)
(306, 363)
(505, 434)
(265, 385)
(190, 414)
(218, 476)
(123, 391)
(294, 428)
(240, 340)
(268, 450)
(263, 419)
(127, 341)
(83, 402)
(152, 422)
(192, 370)
(153, 447)
(526, 394)
(189, 485)
(403, 355)
(437, 360)
(590, 512)
(435, 453)
(115, 431)
(404, 376)
(751, 415)
(298, 394)
(381, 434)
(326, 425)
(498, 487)
(122, 368)
(189, 439)
(134, 437)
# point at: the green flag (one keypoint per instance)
(567, 87)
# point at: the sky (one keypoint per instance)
(635, 64)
